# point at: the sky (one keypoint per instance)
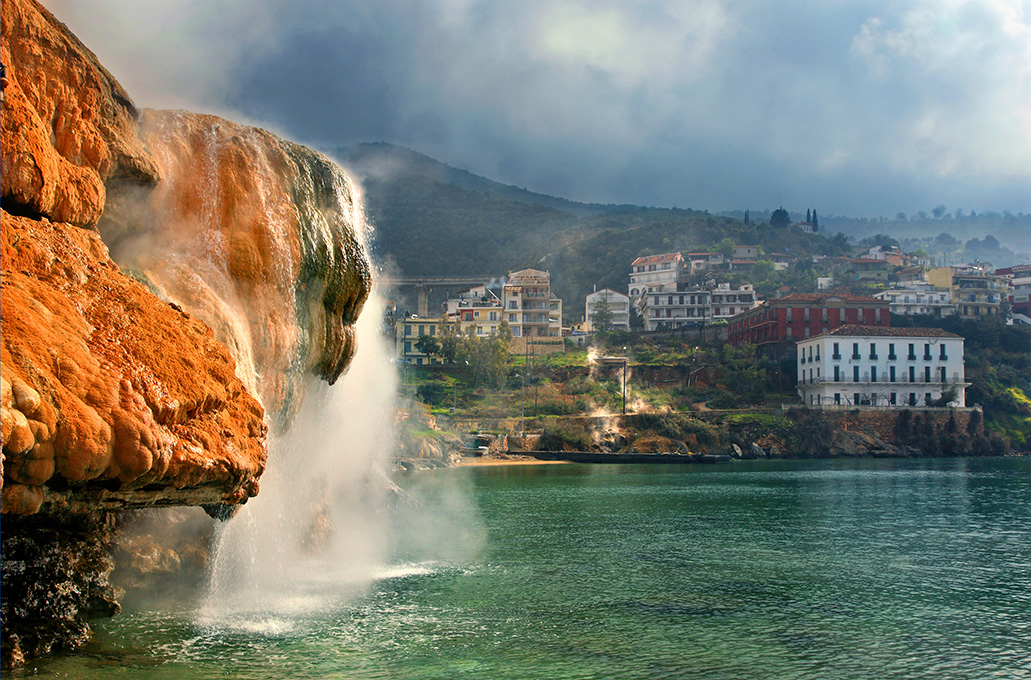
(859, 108)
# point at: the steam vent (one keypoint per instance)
(170, 282)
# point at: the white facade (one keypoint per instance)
(676, 309)
(529, 306)
(917, 300)
(874, 366)
(727, 301)
(619, 305)
(655, 272)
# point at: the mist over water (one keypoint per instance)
(319, 527)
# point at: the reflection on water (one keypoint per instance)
(779, 569)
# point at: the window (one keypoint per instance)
(512, 317)
(873, 374)
(941, 354)
(837, 374)
(927, 351)
(855, 351)
(422, 330)
(927, 374)
(408, 329)
(891, 351)
(855, 374)
(837, 399)
(927, 398)
(433, 331)
(892, 398)
(891, 373)
(408, 345)
(912, 374)
(912, 352)
(513, 304)
(873, 350)
(837, 352)
(856, 402)
(942, 372)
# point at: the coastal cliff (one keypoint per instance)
(169, 280)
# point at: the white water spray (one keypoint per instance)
(313, 536)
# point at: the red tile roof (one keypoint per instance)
(825, 294)
(649, 259)
(881, 331)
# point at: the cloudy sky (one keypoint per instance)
(866, 107)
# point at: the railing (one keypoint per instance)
(880, 380)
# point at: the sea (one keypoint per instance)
(763, 569)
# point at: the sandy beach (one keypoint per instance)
(484, 461)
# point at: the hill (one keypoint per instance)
(433, 219)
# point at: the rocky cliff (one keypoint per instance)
(139, 380)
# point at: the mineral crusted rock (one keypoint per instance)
(68, 126)
(259, 237)
(110, 397)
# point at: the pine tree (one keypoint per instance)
(808, 217)
(816, 222)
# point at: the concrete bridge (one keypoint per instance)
(423, 285)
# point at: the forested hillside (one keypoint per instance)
(434, 220)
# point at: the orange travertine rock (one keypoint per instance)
(67, 124)
(258, 236)
(110, 397)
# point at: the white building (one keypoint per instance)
(529, 305)
(675, 309)
(727, 301)
(875, 366)
(918, 299)
(655, 273)
(619, 306)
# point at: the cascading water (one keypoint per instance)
(314, 535)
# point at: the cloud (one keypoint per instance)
(862, 106)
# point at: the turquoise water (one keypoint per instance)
(779, 569)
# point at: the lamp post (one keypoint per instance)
(624, 385)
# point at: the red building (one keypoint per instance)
(777, 324)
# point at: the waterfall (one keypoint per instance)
(314, 534)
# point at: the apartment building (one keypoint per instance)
(670, 310)
(876, 366)
(407, 332)
(655, 273)
(727, 302)
(975, 292)
(529, 306)
(477, 308)
(619, 307)
(776, 325)
(917, 299)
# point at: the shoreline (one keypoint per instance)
(489, 461)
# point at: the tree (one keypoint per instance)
(816, 222)
(747, 219)
(427, 345)
(780, 218)
(449, 342)
(900, 217)
(725, 248)
(601, 318)
(938, 211)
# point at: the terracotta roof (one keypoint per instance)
(867, 260)
(648, 259)
(823, 295)
(881, 331)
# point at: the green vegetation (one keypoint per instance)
(998, 366)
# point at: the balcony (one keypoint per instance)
(856, 357)
(892, 357)
(911, 357)
(836, 357)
